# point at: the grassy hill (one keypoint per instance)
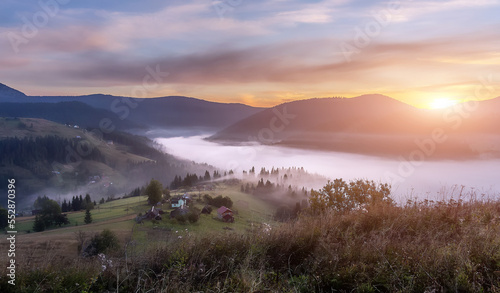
(61, 243)
(59, 160)
(427, 246)
(249, 210)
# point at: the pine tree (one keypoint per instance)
(88, 217)
(207, 176)
(80, 203)
(87, 202)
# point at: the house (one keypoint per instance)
(225, 214)
(186, 198)
(177, 202)
(152, 214)
(206, 210)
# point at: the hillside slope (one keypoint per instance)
(49, 158)
(375, 125)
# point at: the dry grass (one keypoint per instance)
(421, 247)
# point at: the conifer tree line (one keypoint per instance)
(23, 152)
(78, 203)
(192, 179)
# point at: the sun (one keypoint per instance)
(442, 103)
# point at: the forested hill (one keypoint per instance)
(58, 160)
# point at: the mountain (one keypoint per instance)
(162, 112)
(9, 92)
(324, 115)
(74, 113)
(374, 125)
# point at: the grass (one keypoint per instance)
(451, 246)
(249, 210)
(100, 214)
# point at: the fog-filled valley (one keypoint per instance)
(432, 179)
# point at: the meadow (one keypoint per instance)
(421, 246)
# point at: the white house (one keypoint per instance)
(177, 202)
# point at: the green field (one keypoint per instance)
(101, 214)
(250, 212)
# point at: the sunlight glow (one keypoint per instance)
(442, 103)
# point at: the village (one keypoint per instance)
(184, 207)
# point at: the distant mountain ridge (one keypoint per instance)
(162, 112)
(373, 125)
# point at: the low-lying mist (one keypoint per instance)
(409, 179)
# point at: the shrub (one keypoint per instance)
(101, 243)
(194, 215)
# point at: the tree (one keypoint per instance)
(154, 191)
(61, 219)
(340, 196)
(207, 176)
(218, 201)
(38, 225)
(65, 207)
(87, 202)
(49, 210)
(88, 217)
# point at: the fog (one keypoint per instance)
(435, 180)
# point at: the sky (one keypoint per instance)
(261, 53)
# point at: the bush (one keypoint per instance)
(181, 218)
(340, 196)
(218, 201)
(194, 215)
(101, 243)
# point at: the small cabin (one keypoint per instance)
(152, 214)
(225, 214)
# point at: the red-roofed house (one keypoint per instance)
(225, 214)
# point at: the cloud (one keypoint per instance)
(417, 9)
(293, 62)
(261, 48)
